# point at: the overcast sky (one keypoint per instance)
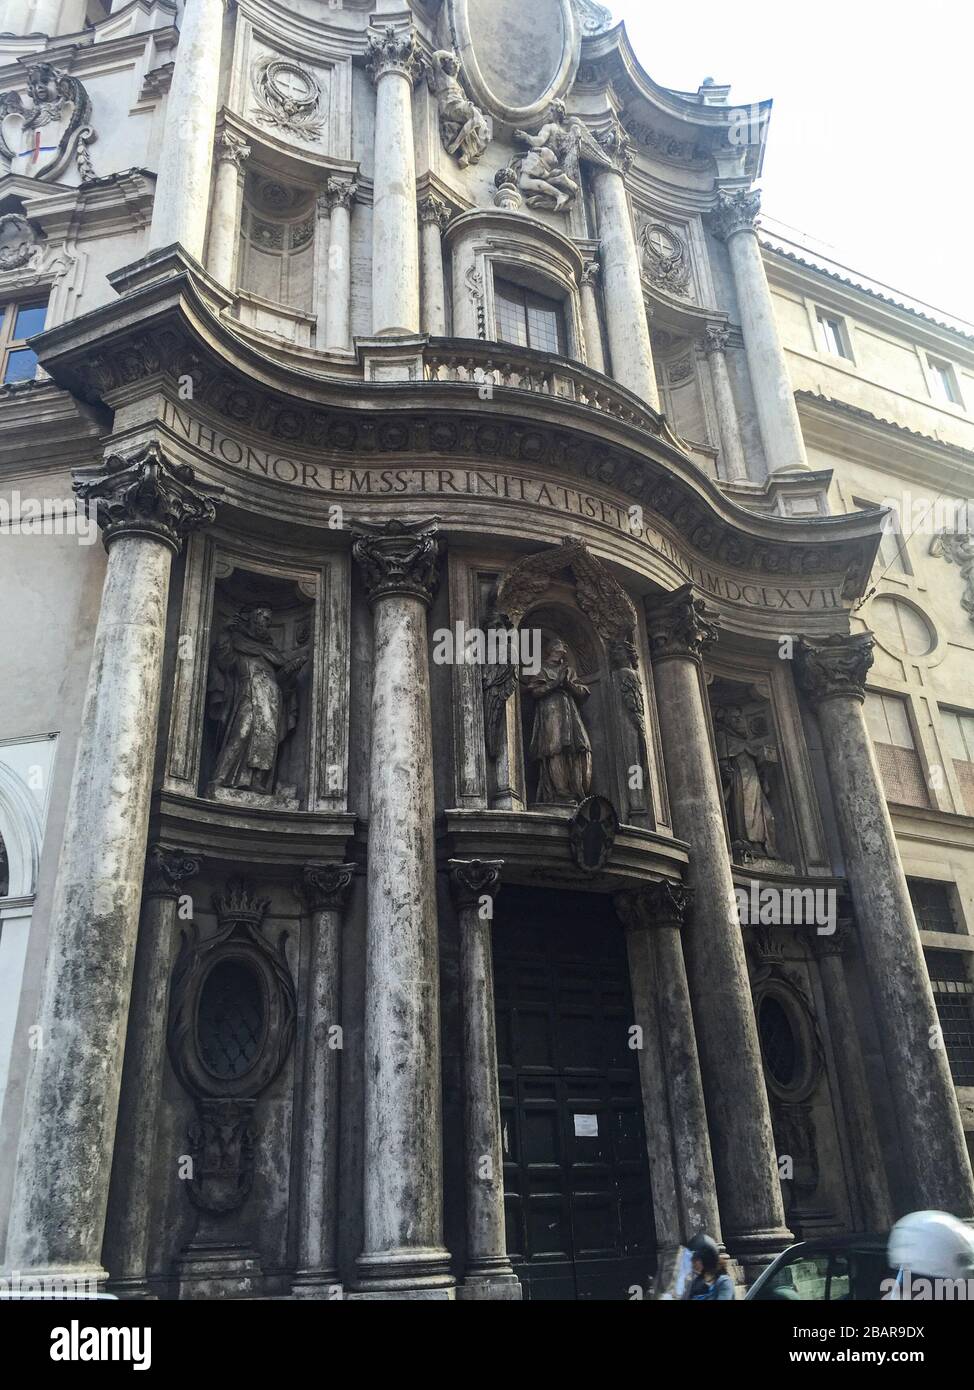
(870, 139)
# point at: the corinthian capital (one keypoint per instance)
(835, 667)
(231, 149)
(341, 193)
(146, 495)
(716, 338)
(433, 209)
(324, 887)
(166, 870)
(398, 558)
(681, 625)
(737, 210)
(393, 50)
(655, 905)
(474, 879)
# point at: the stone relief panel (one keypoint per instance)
(45, 126)
(666, 258)
(289, 98)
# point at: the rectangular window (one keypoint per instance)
(529, 319)
(933, 905)
(888, 721)
(834, 335)
(18, 322)
(959, 731)
(944, 381)
(953, 994)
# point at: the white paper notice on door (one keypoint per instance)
(586, 1126)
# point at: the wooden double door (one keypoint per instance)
(576, 1175)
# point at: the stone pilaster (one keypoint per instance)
(731, 448)
(868, 1169)
(832, 671)
(594, 352)
(230, 153)
(182, 197)
(404, 1254)
(654, 918)
(324, 888)
(145, 505)
(488, 1275)
(340, 195)
(434, 217)
(625, 308)
(734, 221)
(394, 64)
(681, 630)
(167, 878)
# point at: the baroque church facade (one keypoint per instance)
(498, 797)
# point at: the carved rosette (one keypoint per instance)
(231, 149)
(398, 559)
(655, 905)
(737, 210)
(716, 338)
(166, 870)
(325, 887)
(681, 625)
(394, 50)
(341, 193)
(835, 667)
(433, 209)
(473, 880)
(145, 494)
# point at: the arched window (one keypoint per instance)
(277, 248)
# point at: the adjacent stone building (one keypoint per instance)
(500, 800)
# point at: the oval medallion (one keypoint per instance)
(517, 57)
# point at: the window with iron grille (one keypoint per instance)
(528, 319)
(933, 905)
(953, 994)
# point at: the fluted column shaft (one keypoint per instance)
(625, 309)
(71, 1101)
(742, 1143)
(404, 1251)
(833, 673)
(393, 61)
(731, 448)
(231, 153)
(182, 197)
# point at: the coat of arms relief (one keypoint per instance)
(46, 126)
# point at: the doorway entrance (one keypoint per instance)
(576, 1174)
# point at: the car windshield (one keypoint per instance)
(816, 1278)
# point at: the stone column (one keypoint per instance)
(185, 156)
(43, 16)
(868, 1174)
(324, 888)
(681, 629)
(127, 1236)
(475, 885)
(404, 1254)
(832, 671)
(594, 353)
(341, 194)
(231, 154)
(145, 507)
(625, 308)
(734, 221)
(731, 448)
(654, 917)
(395, 66)
(434, 217)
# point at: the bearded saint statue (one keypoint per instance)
(744, 762)
(559, 742)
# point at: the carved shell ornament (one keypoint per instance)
(289, 98)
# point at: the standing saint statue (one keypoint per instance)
(465, 129)
(744, 763)
(559, 742)
(253, 701)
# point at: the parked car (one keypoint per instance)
(832, 1269)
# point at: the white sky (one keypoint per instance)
(870, 140)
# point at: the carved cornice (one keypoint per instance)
(229, 148)
(737, 210)
(394, 50)
(835, 667)
(166, 870)
(146, 495)
(473, 880)
(398, 559)
(341, 193)
(663, 904)
(325, 887)
(681, 625)
(434, 209)
(716, 338)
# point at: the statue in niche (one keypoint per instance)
(744, 763)
(546, 173)
(252, 698)
(559, 741)
(465, 130)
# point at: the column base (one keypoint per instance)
(405, 1273)
(490, 1281)
(755, 1250)
(322, 1285)
(218, 1271)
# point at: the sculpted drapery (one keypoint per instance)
(559, 741)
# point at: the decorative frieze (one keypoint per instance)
(835, 667)
(681, 625)
(399, 557)
(146, 495)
